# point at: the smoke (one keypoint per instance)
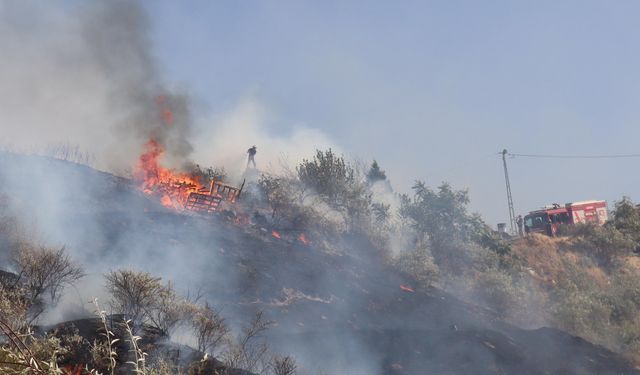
(223, 140)
(86, 76)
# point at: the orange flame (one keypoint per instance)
(167, 115)
(73, 370)
(241, 220)
(171, 187)
(275, 234)
(302, 238)
(406, 288)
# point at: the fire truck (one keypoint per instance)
(548, 219)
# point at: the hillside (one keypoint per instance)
(337, 307)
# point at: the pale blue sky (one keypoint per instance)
(431, 89)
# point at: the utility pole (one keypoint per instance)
(512, 215)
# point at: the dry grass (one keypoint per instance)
(543, 255)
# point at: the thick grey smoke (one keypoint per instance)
(117, 37)
(223, 140)
(86, 76)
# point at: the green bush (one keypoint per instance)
(497, 289)
(419, 265)
(339, 185)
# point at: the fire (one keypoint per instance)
(73, 369)
(171, 187)
(167, 115)
(302, 238)
(406, 288)
(275, 234)
(241, 220)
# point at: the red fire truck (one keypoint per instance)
(550, 217)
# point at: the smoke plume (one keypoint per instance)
(87, 77)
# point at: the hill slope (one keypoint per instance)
(337, 307)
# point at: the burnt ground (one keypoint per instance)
(336, 307)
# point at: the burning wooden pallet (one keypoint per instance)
(209, 201)
(203, 203)
(227, 192)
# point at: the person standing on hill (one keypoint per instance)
(520, 222)
(252, 153)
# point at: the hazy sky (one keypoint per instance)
(431, 89)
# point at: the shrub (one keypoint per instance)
(143, 299)
(338, 184)
(605, 242)
(328, 175)
(375, 174)
(497, 289)
(209, 328)
(133, 293)
(43, 273)
(419, 265)
(284, 366)
(582, 312)
(14, 307)
(626, 218)
(441, 221)
(250, 351)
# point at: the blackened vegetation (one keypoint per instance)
(335, 303)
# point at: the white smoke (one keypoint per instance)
(223, 140)
(86, 77)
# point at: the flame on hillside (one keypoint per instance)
(407, 288)
(302, 238)
(171, 187)
(167, 115)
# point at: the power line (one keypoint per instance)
(576, 156)
(512, 215)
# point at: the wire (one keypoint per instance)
(576, 156)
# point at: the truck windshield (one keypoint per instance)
(561, 218)
(537, 221)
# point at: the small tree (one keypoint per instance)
(437, 217)
(375, 174)
(381, 212)
(250, 350)
(440, 219)
(14, 308)
(144, 299)
(133, 293)
(209, 327)
(281, 193)
(43, 273)
(167, 310)
(497, 290)
(338, 184)
(418, 263)
(328, 175)
(626, 219)
(286, 197)
(284, 366)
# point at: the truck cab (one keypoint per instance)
(548, 219)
